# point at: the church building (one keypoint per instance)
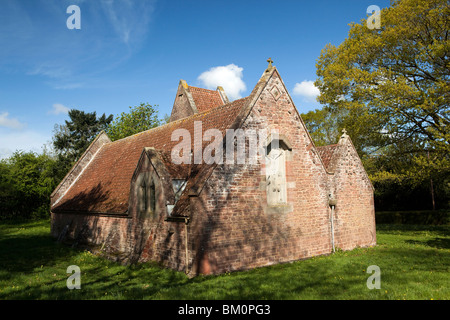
(191, 198)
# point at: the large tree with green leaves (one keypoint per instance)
(326, 125)
(394, 81)
(139, 118)
(72, 139)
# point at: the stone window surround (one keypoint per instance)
(147, 181)
(280, 208)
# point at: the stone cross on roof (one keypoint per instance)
(270, 61)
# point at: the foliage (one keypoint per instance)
(414, 263)
(429, 217)
(389, 88)
(72, 139)
(166, 119)
(139, 118)
(323, 126)
(27, 180)
(395, 82)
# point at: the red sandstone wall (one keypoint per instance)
(238, 230)
(128, 239)
(355, 214)
(182, 106)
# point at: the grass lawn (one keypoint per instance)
(414, 263)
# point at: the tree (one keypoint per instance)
(27, 180)
(326, 125)
(73, 138)
(139, 118)
(322, 126)
(389, 88)
(394, 81)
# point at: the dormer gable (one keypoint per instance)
(190, 100)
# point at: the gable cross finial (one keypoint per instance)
(344, 131)
(270, 61)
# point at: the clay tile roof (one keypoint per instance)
(104, 185)
(205, 99)
(327, 154)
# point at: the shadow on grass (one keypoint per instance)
(441, 234)
(438, 242)
(95, 285)
(338, 276)
(26, 247)
(395, 228)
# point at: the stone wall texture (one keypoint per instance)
(231, 226)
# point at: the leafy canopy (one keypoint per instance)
(394, 82)
(139, 118)
(72, 139)
(26, 182)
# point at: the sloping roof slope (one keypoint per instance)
(328, 154)
(104, 186)
(205, 99)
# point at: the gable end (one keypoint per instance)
(76, 171)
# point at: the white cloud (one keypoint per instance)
(129, 18)
(50, 70)
(229, 77)
(58, 108)
(307, 90)
(7, 122)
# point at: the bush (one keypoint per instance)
(26, 182)
(428, 217)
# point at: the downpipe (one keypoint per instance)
(332, 203)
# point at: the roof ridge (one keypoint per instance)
(182, 119)
(328, 145)
(189, 86)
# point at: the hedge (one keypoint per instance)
(428, 217)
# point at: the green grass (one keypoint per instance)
(414, 263)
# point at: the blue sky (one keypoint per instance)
(133, 51)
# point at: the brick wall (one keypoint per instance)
(183, 104)
(355, 213)
(130, 238)
(238, 230)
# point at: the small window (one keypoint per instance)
(144, 196)
(178, 186)
(147, 197)
(152, 196)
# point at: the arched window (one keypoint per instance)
(144, 196)
(147, 196)
(276, 186)
(152, 191)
